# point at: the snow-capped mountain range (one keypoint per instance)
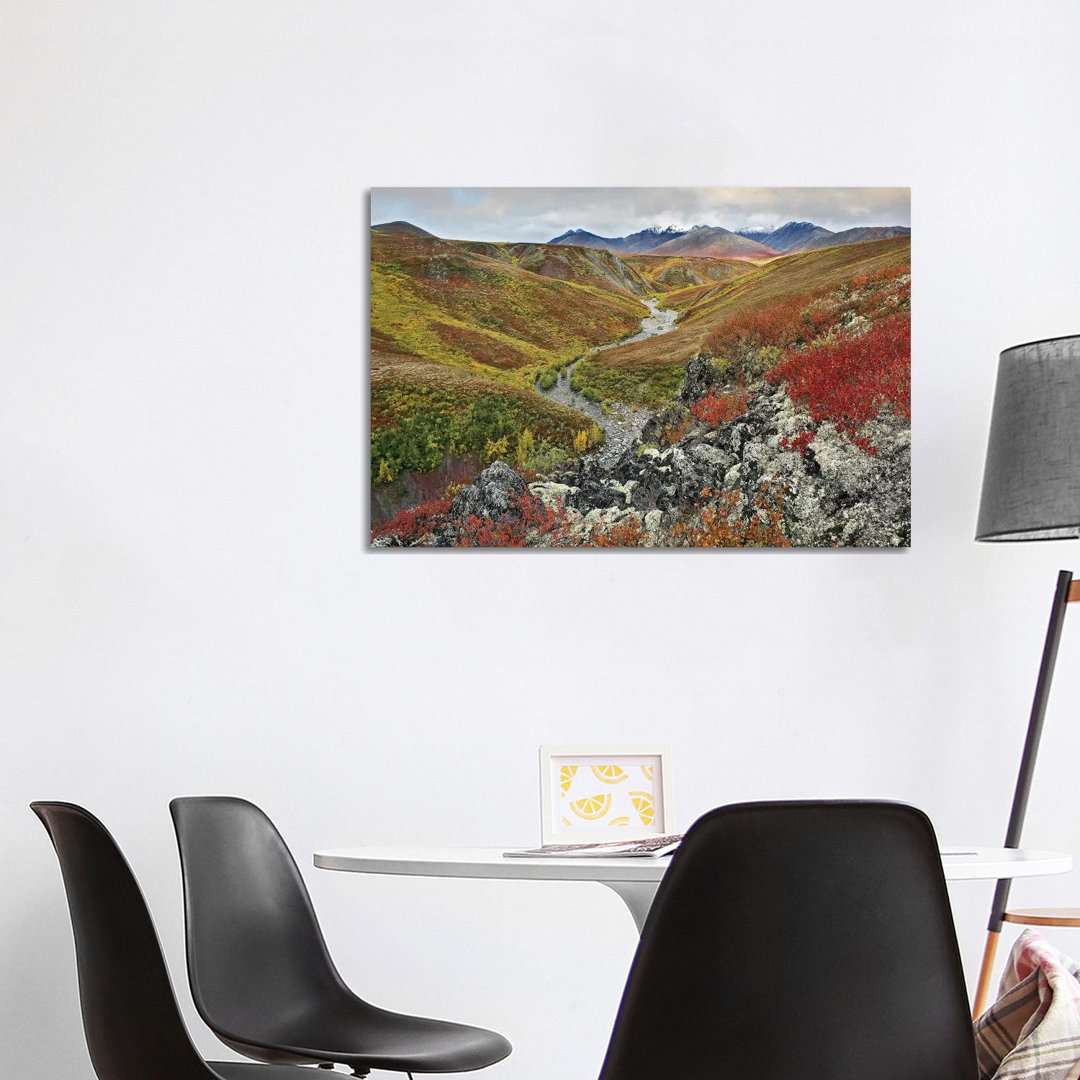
(749, 242)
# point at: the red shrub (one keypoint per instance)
(784, 324)
(534, 521)
(798, 442)
(714, 411)
(877, 278)
(848, 381)
(675, 432)
(415, 522)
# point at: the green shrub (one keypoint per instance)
(546, 458)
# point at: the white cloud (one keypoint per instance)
(538, 214)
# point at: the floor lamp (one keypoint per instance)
(1031, 491)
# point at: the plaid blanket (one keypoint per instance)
(1032, 1031)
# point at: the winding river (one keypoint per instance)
(622, 424)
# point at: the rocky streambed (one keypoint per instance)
(622, 424)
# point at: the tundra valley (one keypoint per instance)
(697, 387)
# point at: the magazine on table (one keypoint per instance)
(649, 847)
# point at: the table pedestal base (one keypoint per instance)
(637, 896)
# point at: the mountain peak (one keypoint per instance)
(643, 240)
(402, 227)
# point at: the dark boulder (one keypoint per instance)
(669, 417)
(701, 376)
(648, 492)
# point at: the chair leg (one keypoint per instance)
(982, 993)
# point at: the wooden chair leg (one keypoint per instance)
(982, 992)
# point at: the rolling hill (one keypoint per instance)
(647, 372)
(497, 307)
(503, 307)
(406, 227)
(459, 332)
(668, 274)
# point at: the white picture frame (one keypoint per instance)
(596, 793)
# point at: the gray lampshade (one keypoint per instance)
(1031, 484)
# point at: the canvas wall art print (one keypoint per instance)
(640, 367)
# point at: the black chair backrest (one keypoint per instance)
(132, 1022)
(255, 951)
(798, 941)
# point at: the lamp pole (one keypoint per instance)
(1064, 593)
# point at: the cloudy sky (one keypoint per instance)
(539, 214)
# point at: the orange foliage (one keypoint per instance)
(721, 525)
(675, 432)
(629, 532)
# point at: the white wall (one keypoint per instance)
(187, 605)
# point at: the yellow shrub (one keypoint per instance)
(496, 448)
(525, 445)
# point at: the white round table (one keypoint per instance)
(636, 879)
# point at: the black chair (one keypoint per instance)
(798, 941)
(133, 1026)
(260, 973)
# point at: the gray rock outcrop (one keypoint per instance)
(496, 494)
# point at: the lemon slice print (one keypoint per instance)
(643, 804)
(624, 820)
(646, 771)
(592, 808)
(566, 777)
(609, 774)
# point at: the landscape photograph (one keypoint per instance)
(640, 367)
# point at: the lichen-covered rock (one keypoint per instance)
(550, 493)
(828, 488)
(711, 462)
(773, 464)
(496, 494)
